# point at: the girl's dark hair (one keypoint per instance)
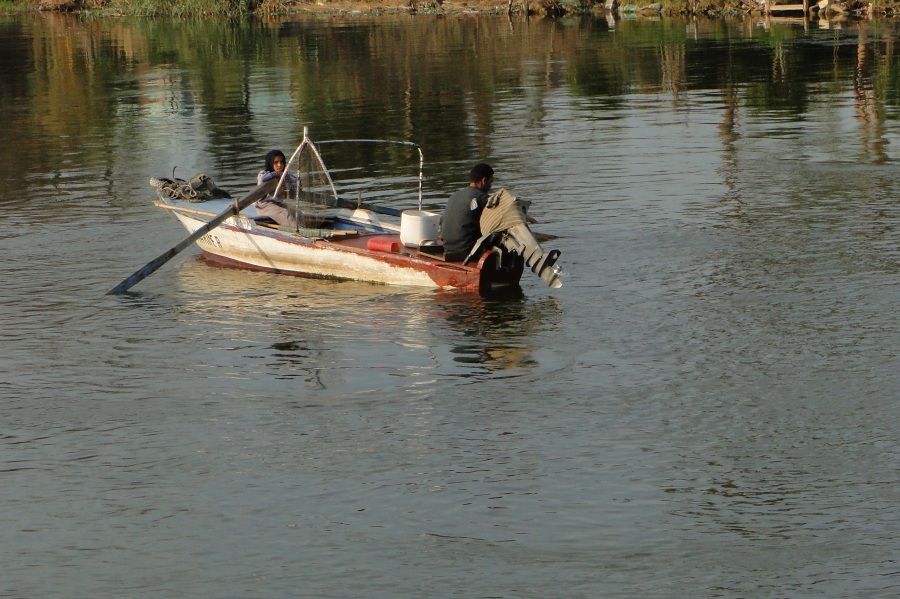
(270, 159)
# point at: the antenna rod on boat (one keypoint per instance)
(421, 167)
(386, 141)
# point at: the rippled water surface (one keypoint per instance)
(706, 408)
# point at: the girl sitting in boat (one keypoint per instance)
(273, 207)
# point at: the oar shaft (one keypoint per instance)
(157, 262)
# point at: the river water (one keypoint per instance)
(706, 408)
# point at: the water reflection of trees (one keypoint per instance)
(411, 77)
(869, 110)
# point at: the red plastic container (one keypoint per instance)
(383, 244)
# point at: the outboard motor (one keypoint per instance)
(520, 240)
(503, 223)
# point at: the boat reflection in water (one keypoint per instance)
(320, 332)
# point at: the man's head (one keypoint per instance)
(481, 176)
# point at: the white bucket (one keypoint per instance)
(417, 226)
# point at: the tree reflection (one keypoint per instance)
(869, 109)
(69, 82)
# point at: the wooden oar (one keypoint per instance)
(154, 265)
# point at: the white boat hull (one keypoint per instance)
(242, 242)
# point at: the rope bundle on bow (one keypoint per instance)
(198, 188)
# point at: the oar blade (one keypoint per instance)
(145, 272)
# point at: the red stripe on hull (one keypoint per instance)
(485, 277)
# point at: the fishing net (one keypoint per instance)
(314, 191)
(198, 188)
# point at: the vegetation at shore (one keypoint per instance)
(241, 8)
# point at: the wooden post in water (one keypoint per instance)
(771, 7)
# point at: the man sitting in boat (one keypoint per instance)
(475, 220)
(273, 207)
(460, 224)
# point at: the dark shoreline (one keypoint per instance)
(853, 9)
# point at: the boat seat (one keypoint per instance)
(328, 223)
(436, 252)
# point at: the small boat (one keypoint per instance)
(340, 238)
